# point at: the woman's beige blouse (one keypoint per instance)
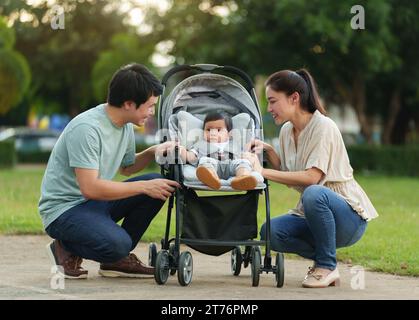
(320, 145)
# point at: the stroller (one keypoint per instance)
(226, 221)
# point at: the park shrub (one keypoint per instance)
(389, 160)
(33, 157)
(7, 154)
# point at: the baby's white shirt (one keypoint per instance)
(220, 145)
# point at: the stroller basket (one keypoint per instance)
(217, 218)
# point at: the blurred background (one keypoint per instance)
(57, 57)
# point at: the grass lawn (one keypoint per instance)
(391, 242)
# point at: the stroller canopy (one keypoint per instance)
(201, 93)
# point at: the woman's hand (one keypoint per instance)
(257, 146)
(254, 161)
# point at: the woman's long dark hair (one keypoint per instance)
(300, 81)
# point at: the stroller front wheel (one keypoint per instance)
(185, 268)
(256, 265)
(279, 272)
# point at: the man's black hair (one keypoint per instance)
(214, 116)
(133, 82)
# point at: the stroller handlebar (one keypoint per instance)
(206, 67)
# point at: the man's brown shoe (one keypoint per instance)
(130, 267)
(66, 262)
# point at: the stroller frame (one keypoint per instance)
(169, 260)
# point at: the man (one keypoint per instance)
(80, 205)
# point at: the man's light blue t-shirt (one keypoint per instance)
(90, 141)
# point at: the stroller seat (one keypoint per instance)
(187, 129)
(191, 181)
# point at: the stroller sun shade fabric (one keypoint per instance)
(202, 93)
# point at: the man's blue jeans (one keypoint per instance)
(329, 223)
(89, 230)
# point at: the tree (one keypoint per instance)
(62, 60)
(262, 37)
(401, 85)
(318, 35)
(14, 70)
(125, 48)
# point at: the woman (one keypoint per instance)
(333, 209)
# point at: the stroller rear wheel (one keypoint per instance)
(152, 254)
(185, 268)
(161, 271)
(236, 261)
(256, 257)
(279, 273)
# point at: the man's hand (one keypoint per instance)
(164, 148)
(94, 188)
(159, 188)
(166, 152)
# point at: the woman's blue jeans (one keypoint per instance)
(329, 223)
(90, 230)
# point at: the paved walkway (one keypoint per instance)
(25, 274)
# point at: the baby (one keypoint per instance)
(217, 157)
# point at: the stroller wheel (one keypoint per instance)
(236, 261)
(247, 256)
(172, 255)
(256, 266)
(152, 254)
(161, 271)
(185, 268)
(279, 274)
(259, 250)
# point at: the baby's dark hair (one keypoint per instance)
(214, 116)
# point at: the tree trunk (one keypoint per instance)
(401, 127)
(395, 106)
(74, 102)
(359, 104)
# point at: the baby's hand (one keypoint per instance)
(254, 161)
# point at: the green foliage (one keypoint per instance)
(124, 49)
(71, 67)
(390, 160)
(199, 36)
(363, 68)
(62, 60)
(7, 154)
(15, 74)
(7, 36)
